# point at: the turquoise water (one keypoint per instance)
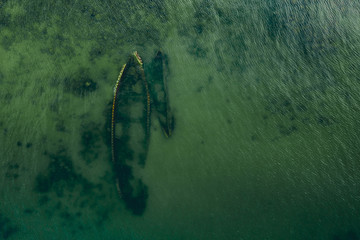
(265, 96)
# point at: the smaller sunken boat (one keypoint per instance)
(157, 73)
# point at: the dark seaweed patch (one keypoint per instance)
(254, 138)
(12, 171)
(90, 141)
(288, 110)
(225, 19)
(199, 89)
(323, 121)
(281, 105)
(60, 126)
(350, 235)
(301, 107)
(43, 200)
(2, 3)
(80, 84)
(6, 228)
(13, 176)
(203, 23)
(54, 105)
(102, 216)
(60, 176)
(78, 214)
(73, 192)
(106, 133)
(273, 24)
(58, 44)
(156, 7)
(221, 48)
(204, 17)
(284, 130)
(197, 50)
(66, 215)
(29, 211)
(296, 112)
(96, 52)
(7, 41)
(295, 22)
(8, 97)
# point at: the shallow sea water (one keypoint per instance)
(266, 100)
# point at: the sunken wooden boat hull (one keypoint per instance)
(157, 74)
(130, 128)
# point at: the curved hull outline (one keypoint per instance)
(130, 129)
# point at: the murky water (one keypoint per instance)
(265, 97)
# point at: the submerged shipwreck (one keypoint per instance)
(134, 97)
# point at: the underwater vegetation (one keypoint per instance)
(90, 141)
(13, 171)
(7, 229)
(80, 84)
(349, 235)
(60, 176)
(64, 193)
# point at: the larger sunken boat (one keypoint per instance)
(130, 127)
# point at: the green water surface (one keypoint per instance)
(265, 96)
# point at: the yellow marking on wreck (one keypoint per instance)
(138, 58)
(116, 89)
